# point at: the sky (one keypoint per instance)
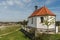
(19, 10)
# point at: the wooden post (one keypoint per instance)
(56, 29)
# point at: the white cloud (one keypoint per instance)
(12, 15)
(0, 4)
(18, 2)
(55, 8)
(47, 2)
(3, 3)
(5, 7)
(27, 1)
(9, 2)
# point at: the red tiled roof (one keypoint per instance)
(43, 11)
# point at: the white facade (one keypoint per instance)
(37, 22)
(42, 25)
(30, 22)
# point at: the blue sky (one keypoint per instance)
(18, 10)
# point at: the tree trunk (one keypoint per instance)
(47, 29)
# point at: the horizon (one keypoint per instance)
(19, 10)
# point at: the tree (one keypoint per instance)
(48, 23)
(24, 23)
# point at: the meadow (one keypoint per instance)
(48, 37)
(12, 33)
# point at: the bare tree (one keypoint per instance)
(48, 23)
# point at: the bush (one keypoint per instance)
(42, 36)
(32, 31)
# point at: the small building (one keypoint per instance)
(42, 19)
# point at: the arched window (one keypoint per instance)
(42, 19)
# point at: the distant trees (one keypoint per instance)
(57, 23)
(24, 22)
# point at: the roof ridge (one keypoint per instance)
(45, 10)
(42, 12)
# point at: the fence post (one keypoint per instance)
(56, 29)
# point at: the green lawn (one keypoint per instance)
(8, 29)
(49, 37)
(12, 33)
(15, 36)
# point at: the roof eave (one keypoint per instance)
(40, 15)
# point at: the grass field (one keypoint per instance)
(10, 33)
(15, 36)
(7, 29)
(49, 37)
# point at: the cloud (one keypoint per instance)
(47, 2)
(55, 8)
(27, 1)
(18, 2)
(56, 11)
(5, 7)
(11, 3)
(3, 3)
(10, 15)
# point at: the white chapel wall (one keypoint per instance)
(34, 22)
(40, 25)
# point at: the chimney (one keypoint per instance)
(36, 7)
